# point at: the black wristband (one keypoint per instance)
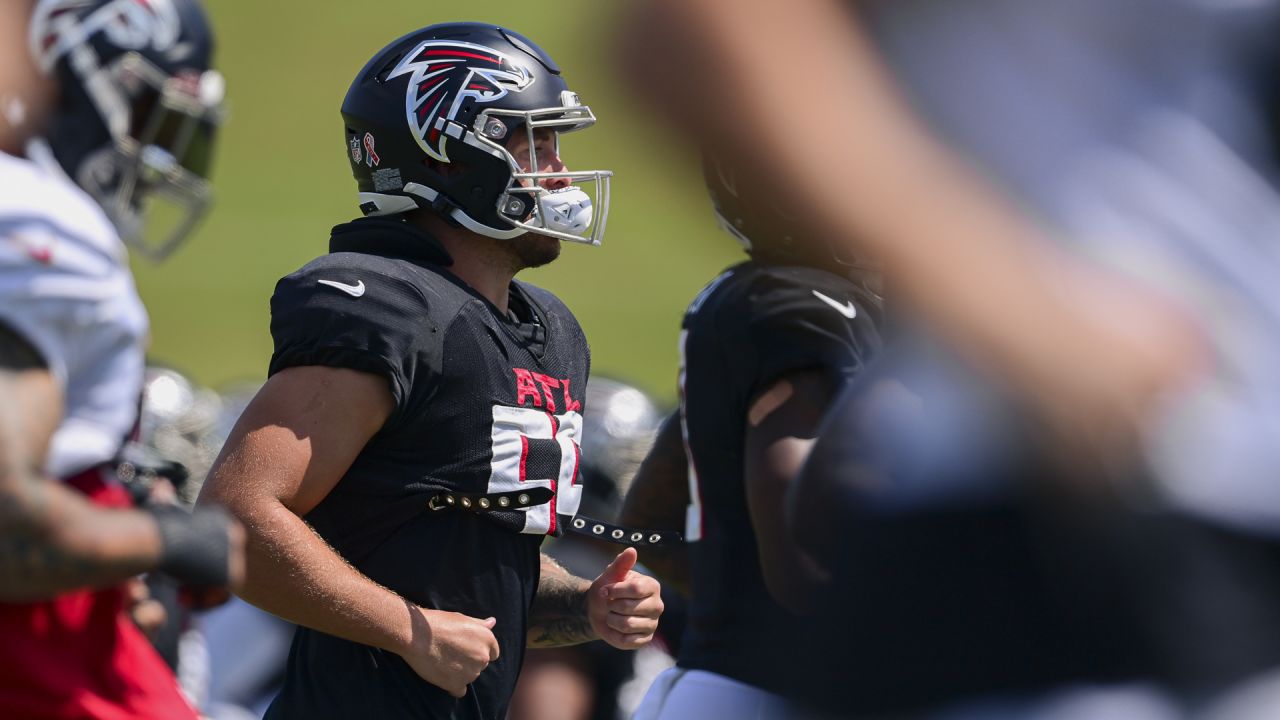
(195, 547)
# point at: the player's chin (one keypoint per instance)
(536, 250)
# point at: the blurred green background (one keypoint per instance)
(282, 180)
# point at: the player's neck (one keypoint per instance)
(478, 261)
(474, 264)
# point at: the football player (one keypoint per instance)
(419, 433)
(765, 348)
(136, 102)
(1070, 216)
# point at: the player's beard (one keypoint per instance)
(534, 250)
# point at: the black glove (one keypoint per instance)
(195, 546)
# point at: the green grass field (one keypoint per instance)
(282, 181)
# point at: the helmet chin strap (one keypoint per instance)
(567, 210)
(566, 213)
(482, 229)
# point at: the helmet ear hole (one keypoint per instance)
(445, 170)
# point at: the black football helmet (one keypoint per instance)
(766, 230)
(429, 121)
(175, 437)
(137, 107)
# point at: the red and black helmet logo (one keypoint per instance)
(445, 74)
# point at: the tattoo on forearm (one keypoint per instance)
(50, 536)
(35, 563)
(559, 613)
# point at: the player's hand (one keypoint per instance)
(624, 605)
(148, 613)
(453, 651)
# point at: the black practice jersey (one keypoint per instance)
(751, 326)
(484, 403)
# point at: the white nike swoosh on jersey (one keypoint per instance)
(847, 309)
(353, 290)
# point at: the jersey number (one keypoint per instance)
(534, 448)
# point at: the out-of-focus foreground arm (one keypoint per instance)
(51, 538)
(1095, 355)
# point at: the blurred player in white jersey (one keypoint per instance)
(132, 111)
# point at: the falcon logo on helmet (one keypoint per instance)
(128, 24)
(445, 74)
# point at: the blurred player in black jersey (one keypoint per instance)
(766, 347)
(418, 436)
(1064, 475)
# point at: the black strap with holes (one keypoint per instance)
(602, 530)
(481, 502)
(580, 524)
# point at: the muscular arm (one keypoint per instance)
(658, 498)
(293, 443)
(51, 538)
(559, 613)
(780, 428)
